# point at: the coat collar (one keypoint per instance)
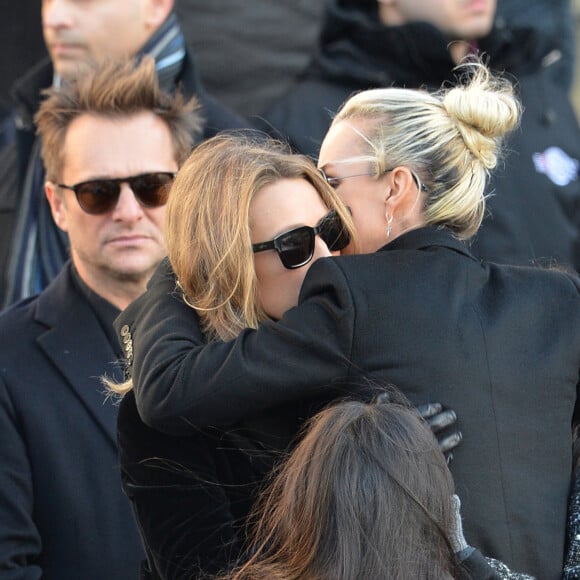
(428, 237)
(76, 345)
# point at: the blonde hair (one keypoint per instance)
(208, 229)
(114, 89)
(450, 139)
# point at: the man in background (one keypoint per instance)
(32, 250)
(111, 143)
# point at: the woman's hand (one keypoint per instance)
(440, 420)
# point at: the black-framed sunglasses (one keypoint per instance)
(296, 247)
(99, 196)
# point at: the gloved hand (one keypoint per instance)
(439, 420)
(456, 536)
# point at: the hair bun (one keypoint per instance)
(484, 110)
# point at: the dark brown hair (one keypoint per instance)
(366, 494)
(113, 89)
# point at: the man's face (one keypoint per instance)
(457, 19)
(127, 243)
(76, 31)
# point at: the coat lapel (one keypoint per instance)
(78, 348)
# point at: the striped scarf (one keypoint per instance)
(40, 248)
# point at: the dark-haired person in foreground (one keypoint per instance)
(366, 494)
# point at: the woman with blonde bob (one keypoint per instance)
(232, 199)
(498, 344)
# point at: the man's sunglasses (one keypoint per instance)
(100, 196)
(296, 247)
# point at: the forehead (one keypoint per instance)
(284, 204)
(97, 146)
(110, 11)
(342, 142)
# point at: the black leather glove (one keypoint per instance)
(440, 420)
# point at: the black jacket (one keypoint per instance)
(534, 211)
(63, 515)
(499, 344)
(17, 158)
(192, 494)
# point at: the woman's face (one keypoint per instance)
(360, 190)
(275, 209)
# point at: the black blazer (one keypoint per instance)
(63, 514)
(499, 344)
(191, 494)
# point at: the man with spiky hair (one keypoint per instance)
(112, 142)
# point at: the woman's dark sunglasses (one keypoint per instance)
(100, 196)
(296, 247)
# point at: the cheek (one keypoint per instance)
(156, 217)
(278, 290)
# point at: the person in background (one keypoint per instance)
(533, 212)
(112, 142)
(249, 60)
(32, 248)
(498, 344)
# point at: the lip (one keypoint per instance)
(60, 48)
(478, 5)
(130, 240)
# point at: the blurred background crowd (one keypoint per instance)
(23, 46)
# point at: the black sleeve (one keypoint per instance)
(180, 382)
(20, 541)
(188, 512)
(476, 567)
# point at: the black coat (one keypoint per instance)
(534, 211)
(63, 514)
(191, 494)
(499, 344)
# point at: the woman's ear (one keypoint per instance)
(402, 188)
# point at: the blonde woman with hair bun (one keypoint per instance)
(413, 307)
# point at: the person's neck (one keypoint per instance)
(120, 292)
(459, 49)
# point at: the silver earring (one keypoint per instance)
(389, 222)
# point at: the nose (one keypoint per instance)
(128, 209)
(321, 249)
(56, 14)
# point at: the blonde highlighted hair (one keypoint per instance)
(450, 139)
(208, 229)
